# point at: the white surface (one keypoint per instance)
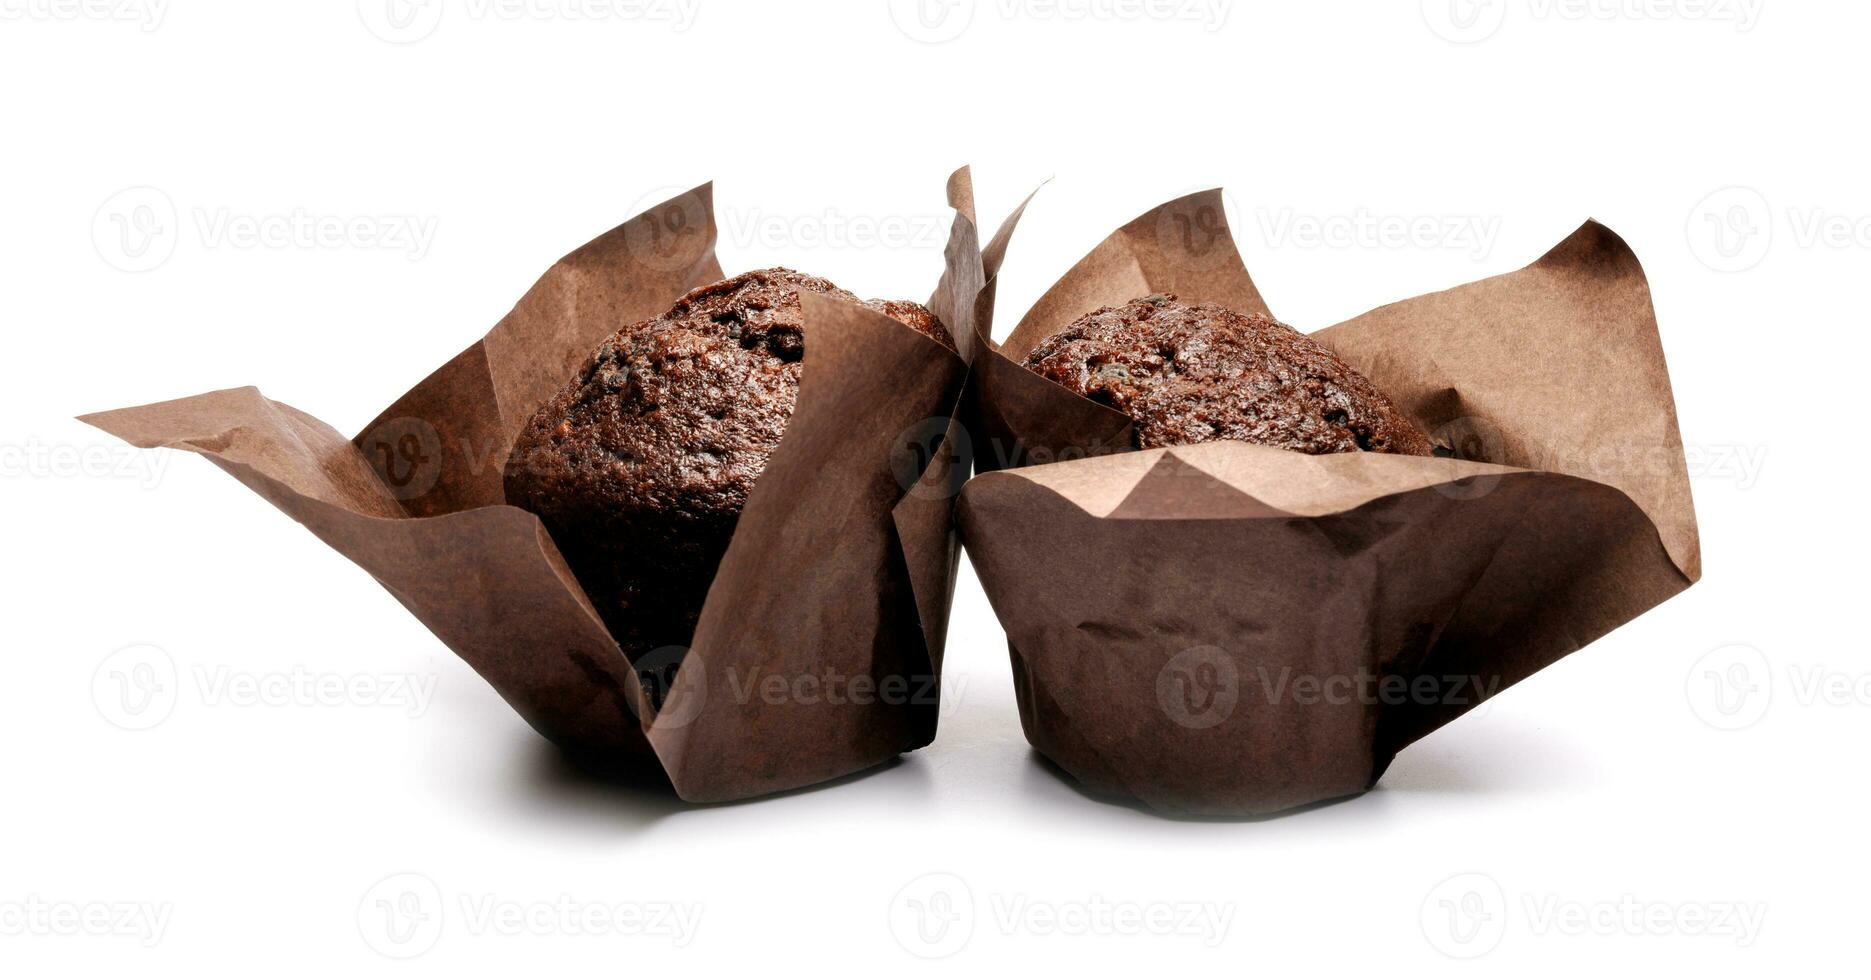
(258, 832)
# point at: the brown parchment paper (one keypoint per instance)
(837, 581)
(1234, 629)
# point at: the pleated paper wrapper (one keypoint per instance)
(1232, 629)
(837, 581)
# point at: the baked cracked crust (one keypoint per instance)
(640, 465)
(1191, 374)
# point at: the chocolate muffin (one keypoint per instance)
(641, 464)
(1189, 374)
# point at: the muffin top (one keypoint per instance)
(1191, 374)
(640, 466)
(681, 412)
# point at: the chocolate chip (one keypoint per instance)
(613, 376)
(1192, 374)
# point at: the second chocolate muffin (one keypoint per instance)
(1190, 374)
(641, 464)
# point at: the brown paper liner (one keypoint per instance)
(837, 581)
(1232, 629)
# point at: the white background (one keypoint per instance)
(232, 835)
